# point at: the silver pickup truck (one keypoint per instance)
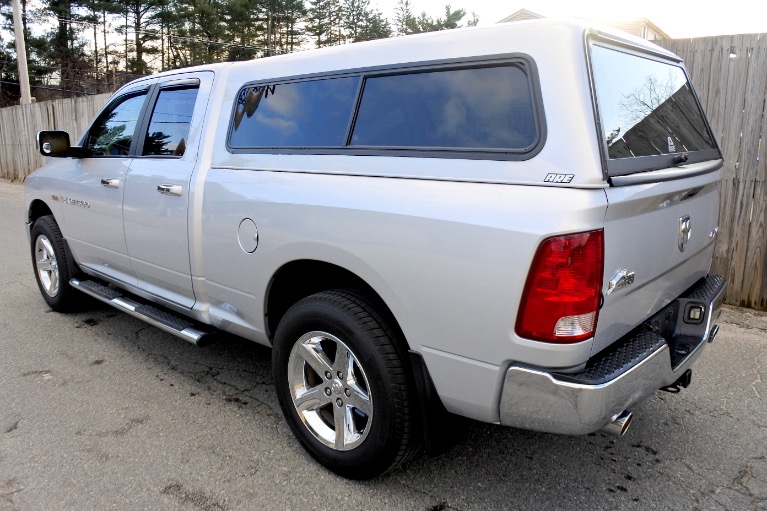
(513, 224)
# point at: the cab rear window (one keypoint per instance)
(649, 115)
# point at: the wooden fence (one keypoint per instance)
(19, 126)
(730, 75)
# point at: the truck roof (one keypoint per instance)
(532, 36)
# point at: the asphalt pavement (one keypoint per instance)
(100, 411)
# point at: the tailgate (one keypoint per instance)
(662, 163)
(659, 240)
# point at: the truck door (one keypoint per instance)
(93, 186)
(157, 187)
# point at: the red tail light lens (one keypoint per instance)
(560, 303)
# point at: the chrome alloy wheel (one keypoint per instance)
(330, 391)
(47, 266)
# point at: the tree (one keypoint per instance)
(325, 19)
(407, 23)
(204, 32)
(354, 12)
(294, 12)
(79, 52)
(451, 19)
(362, 23)
(9, 89)
(140, 16)
(404, 21)
(60, 53)
(246, 27)
(643, 100)
(96, 12)
(163, 18)
(375, 27)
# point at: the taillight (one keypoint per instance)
(560, 303)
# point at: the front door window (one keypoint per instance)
(112, 133)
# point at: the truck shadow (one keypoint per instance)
(488, 467)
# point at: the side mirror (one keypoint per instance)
(53, 143)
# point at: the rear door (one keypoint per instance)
(663, 164)
(158, 185)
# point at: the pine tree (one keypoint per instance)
(96, 12)
(325, 22)
(451, 19)
(141, 19)
(404, 21)
(294, 12)
(246, 29)
(205, 31)
(163, 34)
(60, 52)
(407, 23)
(375, 27)
(9, 90)
(163, 19)
(355, 16)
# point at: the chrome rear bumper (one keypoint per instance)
(654, 355)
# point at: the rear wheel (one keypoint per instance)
(51, 264)
(343, 385)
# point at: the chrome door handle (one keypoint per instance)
(110, 183)
(170, 189)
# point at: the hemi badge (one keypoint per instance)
(620, 280)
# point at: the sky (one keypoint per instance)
(678, 18)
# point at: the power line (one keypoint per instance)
(70, 80)
(123, 30)
(86, 69)
(53, 88)
(169, 34)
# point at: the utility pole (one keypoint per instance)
(21, 55)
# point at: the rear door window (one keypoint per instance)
(649, 114)
(168, 130)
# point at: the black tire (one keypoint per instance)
(51, 265)
(380, 432)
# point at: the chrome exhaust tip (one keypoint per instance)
(713, 332)
(620, 424)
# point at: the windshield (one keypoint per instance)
(647, 108)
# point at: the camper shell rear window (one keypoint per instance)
(649, 116)
(488, 109)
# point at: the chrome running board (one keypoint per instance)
(180, 326)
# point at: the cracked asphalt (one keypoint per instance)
(99, 411)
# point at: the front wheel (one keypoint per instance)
(343, 385)
(51, 264)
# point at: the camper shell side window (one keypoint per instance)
(485, 110)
